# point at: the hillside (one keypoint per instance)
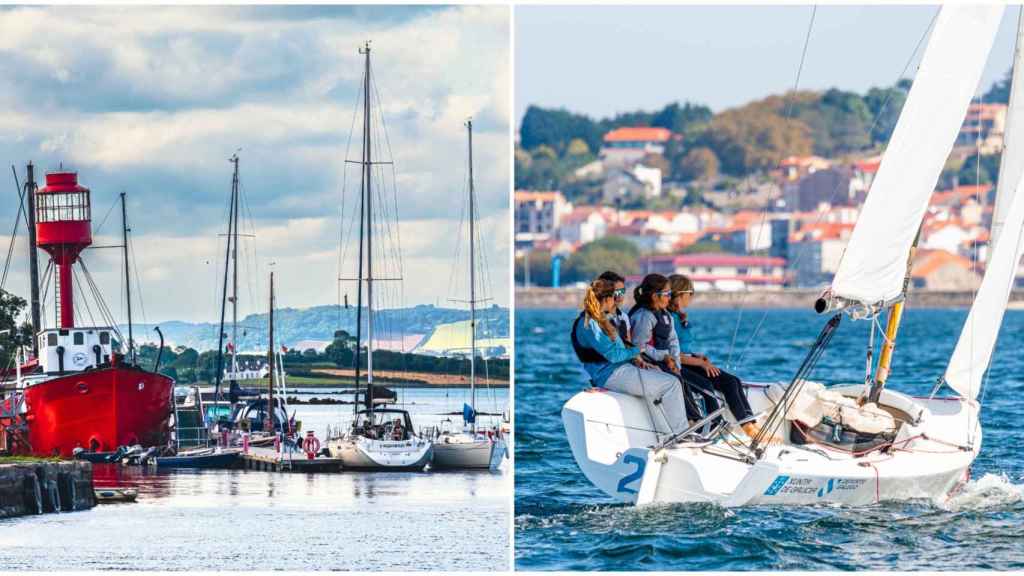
(292, 325)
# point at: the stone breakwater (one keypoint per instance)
(795, 298)
(39, 487)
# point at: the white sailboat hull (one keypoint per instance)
(360, 453)
(610, 435)
(465, 451)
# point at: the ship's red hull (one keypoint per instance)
(98, 410)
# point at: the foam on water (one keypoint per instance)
(988, 492)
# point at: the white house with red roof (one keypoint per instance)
(629, 144)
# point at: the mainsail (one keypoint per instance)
(973, 350)
(874, 265)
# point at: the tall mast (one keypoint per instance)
(472, 279)
(270, 359)
(368, 178)
(224, 290)
(127, 276)
(359, 274)
(33, 256)
(234, 281)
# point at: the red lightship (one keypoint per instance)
(78, 391)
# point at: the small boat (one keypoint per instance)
(115, 495)
(851, 443)
(473, 447)
(208, 458)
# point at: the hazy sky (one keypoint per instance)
(601, 60)
(154, 101)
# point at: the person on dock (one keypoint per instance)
(613, 365)
(698, 369)
(618, 318)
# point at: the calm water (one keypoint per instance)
(248, 520)
(563, 523)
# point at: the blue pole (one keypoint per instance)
(556, 270)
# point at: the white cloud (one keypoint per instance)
(154, 100)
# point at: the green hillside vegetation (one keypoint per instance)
(715, 150)
(188, 366)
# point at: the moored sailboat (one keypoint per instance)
(856, 443)
(474, 447)
(379, 438)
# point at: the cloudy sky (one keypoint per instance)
(154, 101)
(601, 60)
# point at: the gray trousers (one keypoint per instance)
(669, 413)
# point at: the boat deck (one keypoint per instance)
(270, 460)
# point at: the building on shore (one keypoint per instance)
(719, 271)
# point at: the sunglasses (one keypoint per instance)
(663, 293)
(620, 293)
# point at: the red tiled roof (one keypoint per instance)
(638, 134)
(530, 195)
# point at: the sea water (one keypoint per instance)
(562, 522)
(251, 520)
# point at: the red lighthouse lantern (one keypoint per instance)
(63, 229)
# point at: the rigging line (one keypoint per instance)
(104, 221)
(14, 231)
(105, 312)
(874, 124)
(138, 281)
(764, 214)
(81, 292)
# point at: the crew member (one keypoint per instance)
(619, 318)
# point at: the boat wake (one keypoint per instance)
(989, 491)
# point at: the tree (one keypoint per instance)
(885, 105)
(680, 119)
(608, 253)
(698, 164)
(1000, 90)
(578, 147)
(756, 137)
(11, 334)
(540, 268)
(556, 128)
(657, 161)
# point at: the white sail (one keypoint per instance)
(970, 358)
(875, 262)
(977, 341)
(1011, 164)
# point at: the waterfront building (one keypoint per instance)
(627, 145)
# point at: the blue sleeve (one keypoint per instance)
(591, 336)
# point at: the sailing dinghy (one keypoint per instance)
(858, 443)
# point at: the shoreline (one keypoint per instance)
(566, 298)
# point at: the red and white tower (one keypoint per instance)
(63, 229)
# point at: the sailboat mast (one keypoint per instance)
(891, 329)
(269, 424)
(234, 281)
(472, 279)
(127, 276)
(224, 289)
(368, 171)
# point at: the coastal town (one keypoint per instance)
(783, 227)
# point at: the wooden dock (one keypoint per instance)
(269, 460)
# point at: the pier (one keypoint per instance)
(267, 459)
(37, 487)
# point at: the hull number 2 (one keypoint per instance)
(638, 463)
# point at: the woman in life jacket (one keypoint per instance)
(613, 365)
(654, 335)
(697, 368)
